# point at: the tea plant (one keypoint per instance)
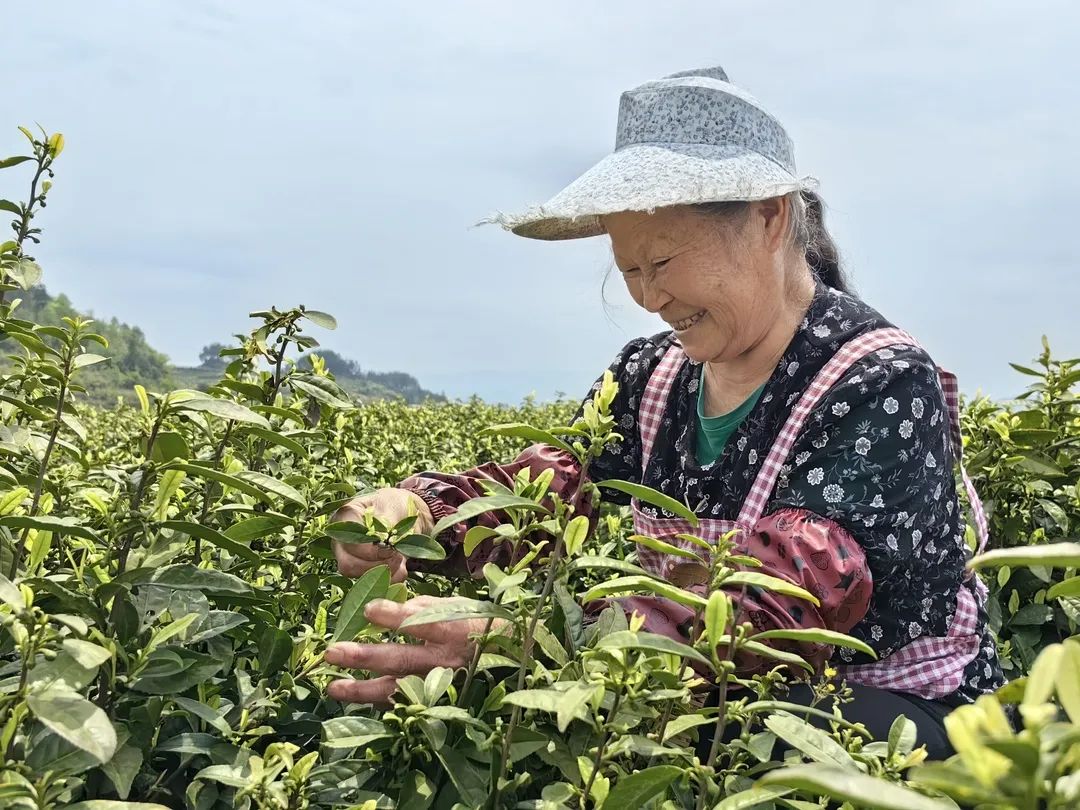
(168, 592)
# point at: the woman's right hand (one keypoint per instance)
(390, 505)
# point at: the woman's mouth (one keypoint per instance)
(686, 323)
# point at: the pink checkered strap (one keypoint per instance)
(951, 390)
(930, 667)
(654, 399)
(850, 353)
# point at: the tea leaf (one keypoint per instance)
(421, 547)
(628, 639)
(850, 785)
(641, 787)
(818, 636)
(75, 719)
(351, 620)
(651, 496)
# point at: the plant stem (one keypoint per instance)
(603, 747)
(728, 666)
(136, 500)
(471, 672)
(530, 639)
(44, 161)
(219, 451)
(20, 547)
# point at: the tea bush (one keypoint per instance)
(168, 590)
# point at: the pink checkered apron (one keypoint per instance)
(928, 667)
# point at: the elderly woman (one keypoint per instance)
(776, 402)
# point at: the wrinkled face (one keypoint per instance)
(719, 283)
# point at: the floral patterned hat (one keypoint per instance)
(691, 137)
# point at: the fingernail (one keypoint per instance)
(385, 553)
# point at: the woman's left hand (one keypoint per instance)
(445, 644)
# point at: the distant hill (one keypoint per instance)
(136, 361)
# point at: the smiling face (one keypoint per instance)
(723, 283)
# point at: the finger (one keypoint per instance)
(366, 551)
(395, 659)
(390, 614)
(399, 569)
(376, 691)
(353, 565)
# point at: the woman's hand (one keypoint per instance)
(446, 644)
(391, 505)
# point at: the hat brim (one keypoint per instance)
(643, 177)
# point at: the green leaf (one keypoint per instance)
(49, 523)
(205, 713)
(685, 723)
(352, 731)
(323, 319)
(459, 608)
(275, 648)
(273, 437)
(167, 487)
(420, 547)
(756, 797)
(321, 389)
(1040, 465)
(76, 719)
(664, 548)
(202, 471)
(519, 430)
(635, 790)
(768, 583)
(255, 528)
(1068, 680)
(25, 273)
(628, 639)
(475, 536)
(902, 736)
(852, 786)
(812, 741)
(765, 651)
(212, 536)
(123, 768)
(351, 620)
(186, 577)
(224, 409)
(1065, 588)
(87, 359)
(112, 804)
(489, 503)
(813, 635)
(273, 485)
(7, 163)
(716, 618)
(611, 563)
(650, 495)
(11, 595)
(637, 584)
(11, 501)
(471, 786)
(574, 535)
(1052, 555)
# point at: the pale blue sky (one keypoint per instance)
(226, 156)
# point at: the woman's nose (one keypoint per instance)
(653, 298)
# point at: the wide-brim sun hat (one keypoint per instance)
(688, 138)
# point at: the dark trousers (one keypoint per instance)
(874, 708)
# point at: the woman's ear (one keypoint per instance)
(770, 218)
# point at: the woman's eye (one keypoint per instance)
(660, 263)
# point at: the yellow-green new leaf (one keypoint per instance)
(574, 536)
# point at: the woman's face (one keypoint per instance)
(721, 285)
